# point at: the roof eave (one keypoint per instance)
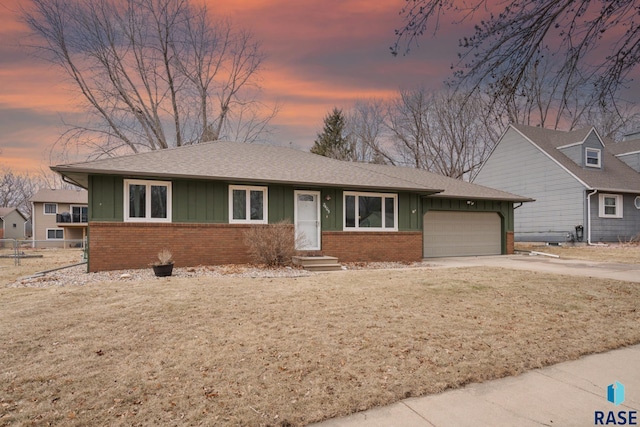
(500, 199)
(65, 171)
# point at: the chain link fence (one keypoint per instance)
(46, 252)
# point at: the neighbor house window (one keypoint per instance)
(592, 156)
(610, 206)
(636, 202)
(146, 201)
(55, 234)
(50, 208)
(247, 204)
(370, 211)
(79, 214)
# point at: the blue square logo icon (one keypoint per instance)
(615, 393)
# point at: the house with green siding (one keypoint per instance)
(198, 201)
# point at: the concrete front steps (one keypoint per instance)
(317, 263)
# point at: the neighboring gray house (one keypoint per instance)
(577, 178)
(12, 224)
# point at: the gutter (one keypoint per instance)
(589, 220)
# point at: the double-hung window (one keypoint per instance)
(370, 211)
(248, 204)
(610, 206)
(147, 201)
(55, 234)
(592, 157)
(50, 208)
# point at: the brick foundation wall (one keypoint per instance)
(510, 247)
(403, 246)
(123, 245)
(118, 245)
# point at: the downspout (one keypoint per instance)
(589, 218)
(33, 225)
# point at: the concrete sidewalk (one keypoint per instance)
(566, 394)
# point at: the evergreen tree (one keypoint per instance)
(332, 142)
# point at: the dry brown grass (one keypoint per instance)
(289, 351)
(620, 253)
(46, 259)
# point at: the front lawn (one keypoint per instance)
(289, 351)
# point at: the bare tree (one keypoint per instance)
(540, 101)
(366, 132)
(408, 122)
(447, 133)
(614, 124)
(599, 40)
(153, 73)
(16, 190)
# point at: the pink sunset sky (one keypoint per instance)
(320, 54)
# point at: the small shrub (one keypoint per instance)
(272, 244)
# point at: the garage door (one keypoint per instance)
(451, 233)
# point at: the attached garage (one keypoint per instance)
(455, 233)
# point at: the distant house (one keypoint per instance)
(582, 183)
(12, 224)
(198, 200)
(59, 217)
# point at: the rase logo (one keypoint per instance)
(615, 395)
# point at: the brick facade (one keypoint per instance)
(510, 245)
(118, 245)
(403, 246)
(123, 245)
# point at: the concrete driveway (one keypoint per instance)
(544, 264)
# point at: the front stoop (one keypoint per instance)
(317, 263)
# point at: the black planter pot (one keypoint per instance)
(163, 270)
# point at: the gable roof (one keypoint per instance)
(614, 176)
(47, 195)
(6, 211)
(259, 163)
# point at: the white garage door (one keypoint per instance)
(451, 233)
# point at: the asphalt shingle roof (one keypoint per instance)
(47, 195)
(614, 176)
(259, 163)
(624, 147)
(6, 211)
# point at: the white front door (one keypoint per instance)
(307, 220)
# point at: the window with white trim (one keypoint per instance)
(636, 202)
(79, 214)
(50, 208)
(592, 157)
(610, 206)
(370, 211)
(248, 204)
(55, 234)
(147, 201)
